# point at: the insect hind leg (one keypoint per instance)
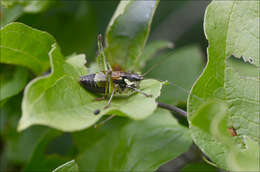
(111, 97)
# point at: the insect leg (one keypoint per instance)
(110, 99)
(101, 58)
(139, 91)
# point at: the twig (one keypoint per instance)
(173, 109)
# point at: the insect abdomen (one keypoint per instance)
(89, 83)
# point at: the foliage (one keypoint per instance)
(32, 54)
(12, 82)
(12, 9)
(127, 32)
(125, 149)
(187, 69)
(223, 104)
(234, 82)
(70, 166)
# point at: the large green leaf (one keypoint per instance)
(58, 100)
(41, 159)
(25, 46)
(18, 147)
(180, 67)
(242, 94)
(12, 80)
(128, 31)
(70, 166)
(210, 124)
(231, 28)
(126, 145)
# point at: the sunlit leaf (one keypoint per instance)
(58, 100)
(70, 166)
(210, 124)
(234, 81)
(25, 46)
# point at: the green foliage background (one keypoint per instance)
(47, 117)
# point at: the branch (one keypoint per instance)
(173, 109)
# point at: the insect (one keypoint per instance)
(109, 82)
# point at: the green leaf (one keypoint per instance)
(25, 46)
(233, 81)
(12, 80)
(13, 9)
(40, 159)
(242, 94)
(59, 101)
(128, 31)
(180, 67)
(70, 166)
(150, 50)
(132, 145)
(210, 124)
(18, 147)
(245, 159)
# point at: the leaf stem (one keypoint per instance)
(173, 109)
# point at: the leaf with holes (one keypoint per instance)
(232, 77)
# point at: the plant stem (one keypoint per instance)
(173, 109)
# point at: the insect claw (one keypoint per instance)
(107, 106)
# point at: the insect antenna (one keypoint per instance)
(183, 89)
(104, 121)
(101, 59)
(156, 65)
(168, 82)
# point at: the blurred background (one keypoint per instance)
(75, 25)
